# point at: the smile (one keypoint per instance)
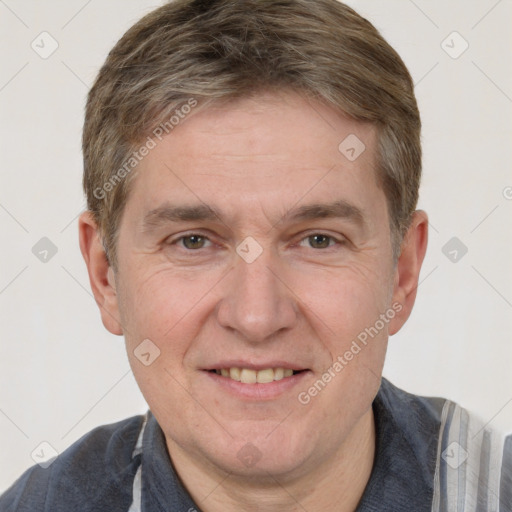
(249, 376)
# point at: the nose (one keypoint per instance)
(256, 301)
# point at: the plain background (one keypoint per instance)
(62, 373)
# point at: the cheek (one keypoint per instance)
(345, 301)
(160, 298)
(167, 309)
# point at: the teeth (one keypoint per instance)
(278, 373)
(248, 376)
(234, 373)
(264, 376)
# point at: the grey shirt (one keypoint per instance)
(431, 456)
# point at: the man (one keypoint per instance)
(252, 172)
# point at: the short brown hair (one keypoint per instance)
(210, 50)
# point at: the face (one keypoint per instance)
(256, 257)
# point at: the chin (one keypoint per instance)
(268, 453)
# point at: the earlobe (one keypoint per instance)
(414, 247)
(101, 274)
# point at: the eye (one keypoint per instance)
(320, 241)
(192, 241)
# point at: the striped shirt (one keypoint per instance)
(431, 456)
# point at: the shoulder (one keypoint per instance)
(98, 468)
(464, 459)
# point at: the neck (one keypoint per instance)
(337, 484)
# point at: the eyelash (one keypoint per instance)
(306, 237)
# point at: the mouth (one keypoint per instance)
(252, 376)
(257, 381)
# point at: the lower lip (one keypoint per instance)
(258, 391)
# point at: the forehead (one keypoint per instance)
(277, 149)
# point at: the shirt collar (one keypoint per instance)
(161, 487)
(407, 433)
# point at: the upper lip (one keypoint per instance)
(239, 363)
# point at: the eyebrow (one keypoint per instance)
(168, 213)
(338, 209)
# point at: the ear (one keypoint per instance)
(414, 247)
(101, 274)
